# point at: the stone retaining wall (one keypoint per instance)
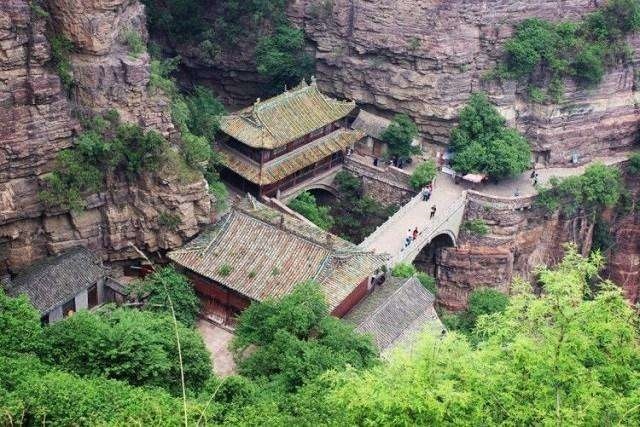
(388, 185)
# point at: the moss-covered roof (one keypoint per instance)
(262, 253)
(283, 166)
(279, 120)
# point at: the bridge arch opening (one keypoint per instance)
(426, 260)
(324, 196)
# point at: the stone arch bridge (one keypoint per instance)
(449, 201)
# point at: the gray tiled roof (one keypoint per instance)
(267, 253)
(370, 124)
(55, 280)
(395, 312)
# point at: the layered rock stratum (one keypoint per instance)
(38, 121)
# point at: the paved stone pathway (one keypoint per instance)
(390, 237)
(217, 341)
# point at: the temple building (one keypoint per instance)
(278, 143)
(256, 252)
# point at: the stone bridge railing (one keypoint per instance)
(449, 224)
(389, 175)
(390, 222)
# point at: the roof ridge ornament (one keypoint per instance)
(313, 81)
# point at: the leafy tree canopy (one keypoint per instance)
(20, 325)
(599, 187)
(483, 144)
(297, 340)
(129, 345)
(423, 174)
(399, 136)
(305, 204)
(552, 358)
(282, 59)
(167, 284)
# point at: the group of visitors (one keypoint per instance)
(394, 161)
(411, 236)
(534, 177)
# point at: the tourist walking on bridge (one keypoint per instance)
(433, 212)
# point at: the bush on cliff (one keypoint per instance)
(543, 51)
(482, 142)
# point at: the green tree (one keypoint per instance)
(20, 325)
(129, 345)
(399, 136)
(483, 144)
(204, 112)
(281, 57)
(599, 187)
(423, 174)
(552, 358)
(634, 164)
(167, 284)
(297, 340)
(305, 204)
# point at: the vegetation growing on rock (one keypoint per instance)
(546, 53)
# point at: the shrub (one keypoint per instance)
(399, 136)
(134, 346)
(476, 226)
(225, 270)
(423, 174)
(403, 270)
(281, 57)
(61, 48)
(220, 194)
(483, 144)
(204, 112)
(429, 282)
(580, 50)
(134, 41)
(599, 187)
(20, 325)
(167, 284)
(296, 340)
(305, 204)
(197, 151)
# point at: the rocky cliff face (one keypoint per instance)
(425, 58)
(37, 122)
(522, 237)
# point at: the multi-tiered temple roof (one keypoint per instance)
(279, 120)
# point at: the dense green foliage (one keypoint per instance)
(544, 51)
(282, 59)
(107, 147)
(129, 345)
(482, 142)
(297, 340)
(305, 204)
(61, 48)
(549, 356)
(476, 226)
(32, 393)
(403, 270)
(424, 174)
(399, 136)
(599, 187)
(164, 285)
(214, 28)
(134, 41)
(356, 215)
(548, 359)
(20, 325)
(196, 114)
(481, 302)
